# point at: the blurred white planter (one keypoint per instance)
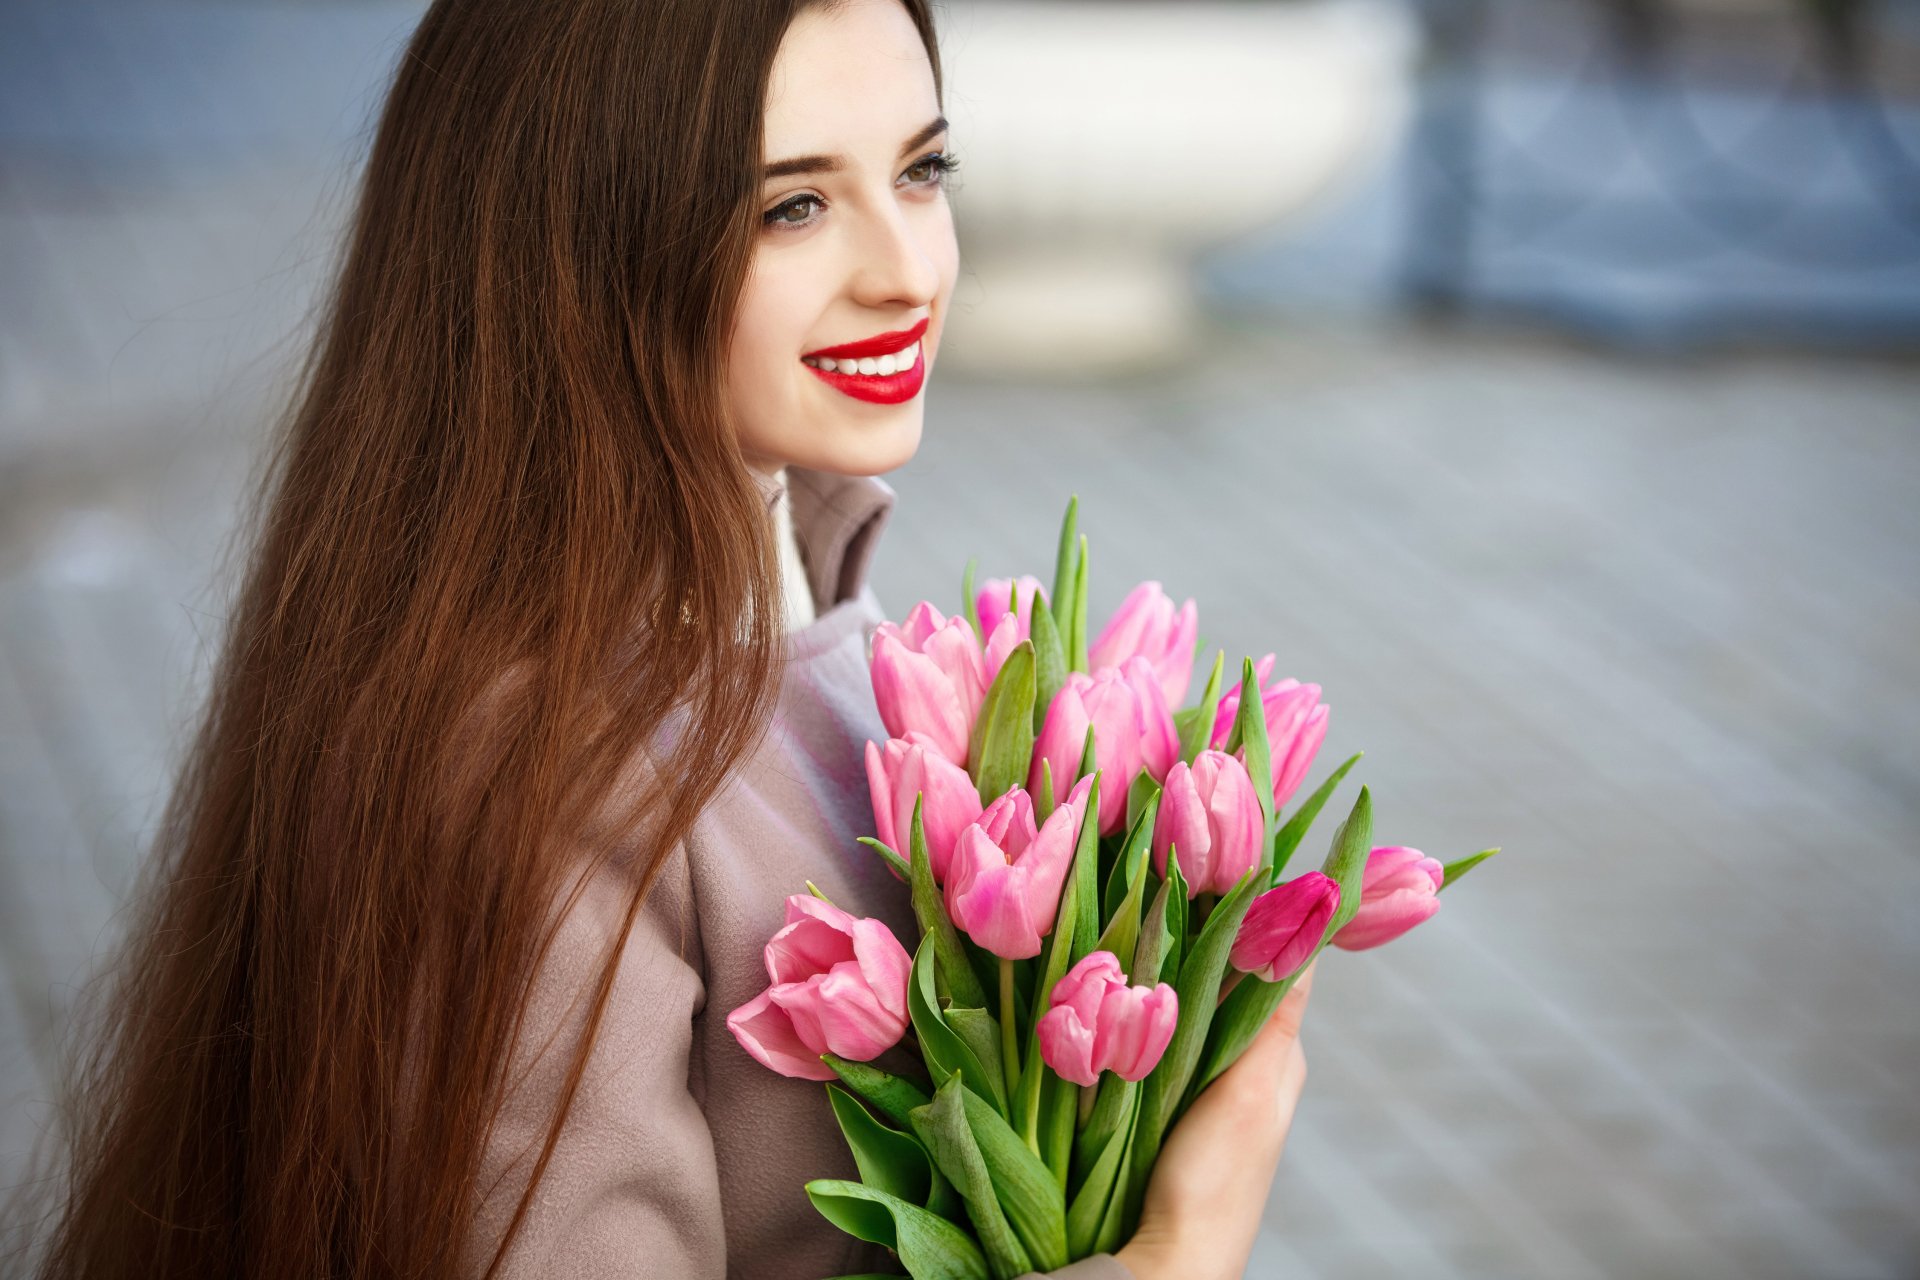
(1103, 143)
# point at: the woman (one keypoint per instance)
(522, 732)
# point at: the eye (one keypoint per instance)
(777, 216)
(938, 163)
(935, 165)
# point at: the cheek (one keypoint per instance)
(763, 333)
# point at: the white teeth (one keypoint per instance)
(898, 362)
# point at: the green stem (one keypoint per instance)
(1009, 1037)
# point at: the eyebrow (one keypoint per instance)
(834, 164)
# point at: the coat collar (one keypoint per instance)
(837, 522)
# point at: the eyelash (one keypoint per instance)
(943, 162)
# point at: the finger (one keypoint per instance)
(1293, 1006)
(1293, 1079)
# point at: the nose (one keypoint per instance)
(893, 266)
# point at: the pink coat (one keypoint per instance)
(683, 1158)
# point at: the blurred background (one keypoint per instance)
(1537, 376)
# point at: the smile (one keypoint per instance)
(886, 369)
(887, 379)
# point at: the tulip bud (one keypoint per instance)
(1284, 926)
(839, 985)
(1099, 1023)
(991, 604)
(1398, 890)
(930, 674)
(1211, 814)
(1003, 886)
(905, 770)
(1147, 625)
(1296, 725)
(1132, 730)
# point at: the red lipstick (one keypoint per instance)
(884, 344)
(878, 388)
(875, 388)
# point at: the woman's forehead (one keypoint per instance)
(853, 79)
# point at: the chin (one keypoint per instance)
(870, 453)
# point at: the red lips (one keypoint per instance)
(880, 345)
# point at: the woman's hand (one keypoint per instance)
(1210, 1184)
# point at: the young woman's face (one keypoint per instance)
(846, 255)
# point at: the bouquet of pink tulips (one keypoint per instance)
(1104, 922)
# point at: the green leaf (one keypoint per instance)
(931, 1247)
(1050, 665)
(942, 1126)
(1022, 1183)
(1059, 949)
(1122, 934)
(1044, 801)
(1133, 856)
(1088, 761)
(1195, 724)
(1101, 1185)
(1002, 742)
(1113, 1110)
(892, 1096)
(1249, 736)
(1086, 870)
(1288, 838)
(894, 1162)
(1454, 870)
(1122, 1212)
(1157, 938)
(971, 606)
(1179, 910)
(1235, 1024)
(981, 1030)
(1059, 1107)
(1346, 861)
(956, 971)
(1079, 644)
(895, 863)
(1139, 791)
(944, 1049)
(1199, 989)
(1061, 599)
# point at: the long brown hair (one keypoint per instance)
(505, 536)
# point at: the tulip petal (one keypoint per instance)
(765, 1031)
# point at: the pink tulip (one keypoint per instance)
(1003, 887)
(1099, 1023)
(1296, 725)
(903, 770)
(1132, 730)
(930, 675)
(1283, 927)
(839, 986)
(1147, 625)
(1397, 891)
(991, 603)
(1001, 641)
(1211, 814)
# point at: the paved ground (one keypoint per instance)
(1649, 627)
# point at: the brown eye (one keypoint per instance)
(939, 164)
(778, 215)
